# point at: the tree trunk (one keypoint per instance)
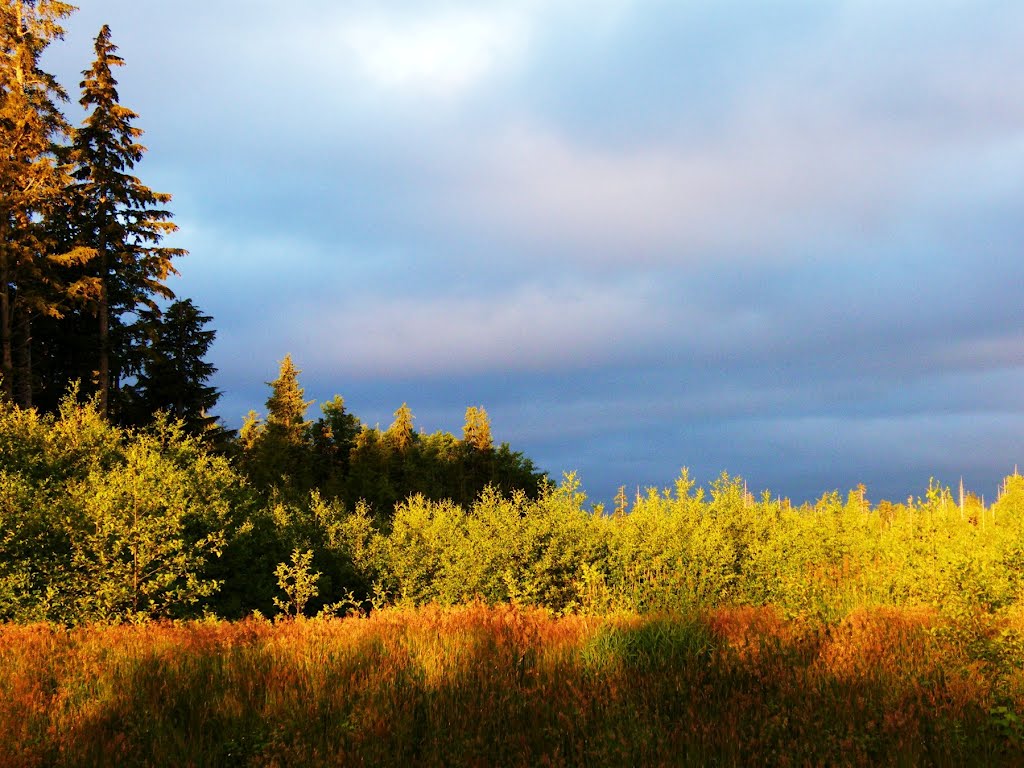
(104, 362)
(7, 373)
(23, 379)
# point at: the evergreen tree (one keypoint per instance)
(476, 432)
(369, 477)
(119, 217)
(401, 433)
(333, 436)
(174, 372)
(31, 184)
(277, 452)
(287, 406)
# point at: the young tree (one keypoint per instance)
(278, 451)
(118, 216)
(401, 433)
(287, 406)
(31, 184)
(476, 432)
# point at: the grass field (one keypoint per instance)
(478, 685)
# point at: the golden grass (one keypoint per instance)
(478, 685)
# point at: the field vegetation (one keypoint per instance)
(480, 685)
(159, 609)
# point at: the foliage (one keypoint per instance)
(297, 582)
(101, 523)
(33, 282)
(342, 458)
(118, 217)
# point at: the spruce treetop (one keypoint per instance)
(476, 432)
(401, 432)
(286, 406)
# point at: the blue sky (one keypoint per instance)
(781, 239)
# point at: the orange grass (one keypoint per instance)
(477, 685)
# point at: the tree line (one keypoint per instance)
(284, 455)
(101, 522)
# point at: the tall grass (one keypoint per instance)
(478, 685)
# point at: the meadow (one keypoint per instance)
(156, 610)
(500, 685)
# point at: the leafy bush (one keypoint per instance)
(102, 523)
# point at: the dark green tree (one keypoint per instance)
(174, 372)
(120, 217)
(333, 435)
(477, 453)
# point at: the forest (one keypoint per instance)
(317, 591)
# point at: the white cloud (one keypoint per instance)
(441, 54)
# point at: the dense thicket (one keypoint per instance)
(99, 521)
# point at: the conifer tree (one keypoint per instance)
(333, 435)
(477, 453)
(287, 406)
(277, 451)
(119, 217)
(31, 183)
(401, 432)
(174, 372)
(476, 432)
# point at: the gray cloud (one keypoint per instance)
(781, 240)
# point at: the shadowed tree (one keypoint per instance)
(174, 372)
(477, 452)
(333, 435)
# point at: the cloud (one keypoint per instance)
(531, 327)
(781, 240)
(440, 55)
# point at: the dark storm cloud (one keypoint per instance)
(781, 239)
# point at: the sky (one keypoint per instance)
(778, 238)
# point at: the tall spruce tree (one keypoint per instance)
(121, 218)
(32, 182)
